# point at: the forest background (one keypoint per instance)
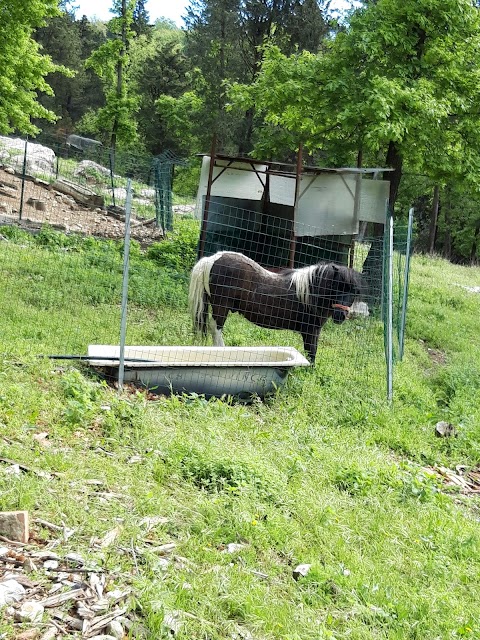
(393, 83)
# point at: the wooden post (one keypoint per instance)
(203, 233)
(298, 177)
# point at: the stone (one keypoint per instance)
(234, 547)
(29, 566)
(10, 591)
(445, 430)
(14, 525)
(301, 571)
(172, 621)
(88, 168)
(29, 634)
(75, 558)
(115, 629)
(40, 159)
(30, 611)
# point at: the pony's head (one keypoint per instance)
(336, 289)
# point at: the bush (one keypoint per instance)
(179, 250)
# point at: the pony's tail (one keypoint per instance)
(199, 292)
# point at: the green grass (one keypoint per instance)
(325, 472)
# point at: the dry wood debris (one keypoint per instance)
(49, 596)
(466, 480)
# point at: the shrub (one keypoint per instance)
(179, 250)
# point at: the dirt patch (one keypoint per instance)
(44, 205)
(437, 356)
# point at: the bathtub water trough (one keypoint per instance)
(211, 371)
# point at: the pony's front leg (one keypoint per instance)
(216, 333)
(310, 342)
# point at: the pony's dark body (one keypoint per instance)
(299, 300)
(267, 303)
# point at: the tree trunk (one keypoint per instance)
(473, 251)
(447, 242)
(433, 220)
(373, 265)
(395, 161)
(120, 64)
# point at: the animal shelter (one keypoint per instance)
(283, 215)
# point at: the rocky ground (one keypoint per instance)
(43, 204)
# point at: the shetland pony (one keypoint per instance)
(301, 300)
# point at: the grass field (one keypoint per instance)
(325, 473)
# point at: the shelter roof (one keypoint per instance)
(289, 169)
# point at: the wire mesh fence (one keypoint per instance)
(68, 279)
(70, 188)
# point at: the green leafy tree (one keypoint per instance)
(224, 40)
(24, 68)
(141, 18)
(399, 85)
(213, 47)
(62, 39)
(159, 67)
(111, 64)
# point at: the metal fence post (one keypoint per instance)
(389, 307)
(406, 280)
(126, 263)
(24, 171)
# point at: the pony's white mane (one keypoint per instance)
(302, 280)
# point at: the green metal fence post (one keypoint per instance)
(406, 280)
(24, 172)
(389, 305)
(126, 264)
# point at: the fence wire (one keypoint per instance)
(62, 239)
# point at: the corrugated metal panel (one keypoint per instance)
(233, 182)
(326, 205)
(372, 201)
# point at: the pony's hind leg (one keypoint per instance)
(216, 333)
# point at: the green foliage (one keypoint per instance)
(213, 475)
(179, 250)
(69, 42)
(159, 67)
(380, 86)
(355, 481)
(419, 484)
(14, 233)
(111, 63)
(183, 118)
(80, 399)
(24, 68)
(186, 180)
